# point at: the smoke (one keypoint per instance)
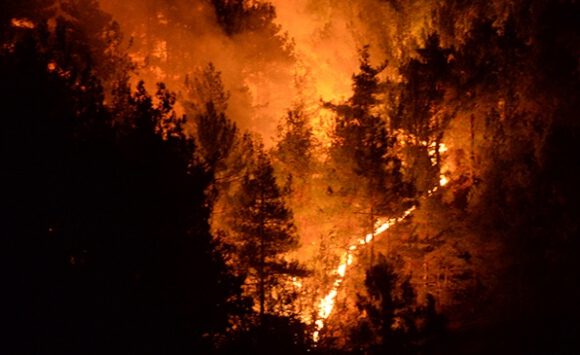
(170, 40)
(270, 57)
(325, 48)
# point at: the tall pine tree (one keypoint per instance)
(368, 172)
(265, 230)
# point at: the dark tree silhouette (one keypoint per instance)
(105, 221)
(392, 320)
(265, 230)
(369, 173)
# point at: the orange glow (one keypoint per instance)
(324, 55)
(22, 23)
(326, 304)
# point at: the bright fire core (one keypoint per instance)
(326, 304)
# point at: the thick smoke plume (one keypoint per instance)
(270, 55)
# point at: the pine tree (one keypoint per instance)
(362, 136)
(389, 311)
(295, 142)
(206, 101)
(265, 229)
(420, 112)
(368, 171)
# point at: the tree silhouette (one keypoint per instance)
(107, 234)
(265, 230)
(368, 171)
(295, 142)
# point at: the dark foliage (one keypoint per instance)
(392, 321)
(105, 236)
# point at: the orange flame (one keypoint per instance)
(22, 23)
(326, 304)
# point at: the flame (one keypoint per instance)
(296, 282)
(434, 150)
(326, 304)
(22, 23)
(443, 180)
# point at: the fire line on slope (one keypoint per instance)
(326, 304)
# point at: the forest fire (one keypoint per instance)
(326, 305)
(290, 177)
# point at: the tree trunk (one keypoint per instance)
(262, 281)
(472, 145)
(261, 275)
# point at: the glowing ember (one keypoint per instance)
(297, 282)
(443, 180)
